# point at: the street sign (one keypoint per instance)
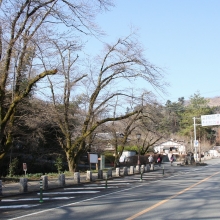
(93, 158)
(209, 120)
(24, 166)
(196, 143)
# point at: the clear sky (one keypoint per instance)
(180, 36)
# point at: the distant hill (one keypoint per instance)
(214, 101)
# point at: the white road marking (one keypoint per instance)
(17, 206)
(95, 187)
(57, 193)
(35, 199)
(102, 184)
(113, 181)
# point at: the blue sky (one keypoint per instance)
(180, 36)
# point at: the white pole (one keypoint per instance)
(194, 123)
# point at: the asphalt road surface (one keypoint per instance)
(179, 193)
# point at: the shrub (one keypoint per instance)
(13, 166)
(59, 164)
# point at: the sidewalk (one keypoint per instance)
(10, 189)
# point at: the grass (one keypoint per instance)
(37, 176)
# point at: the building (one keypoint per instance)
(126, 155)
(215, 151)
(103, 141)
(174, 146)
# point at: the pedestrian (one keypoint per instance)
(151, 159)
(159, 160)
(171, 160)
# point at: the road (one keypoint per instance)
(182, 193)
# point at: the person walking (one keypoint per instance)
(171, 160)
(159, 160)
(151, 159)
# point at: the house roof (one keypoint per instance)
(168, 144)
(108, 136)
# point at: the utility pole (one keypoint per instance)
(196, 142)
(194, 126)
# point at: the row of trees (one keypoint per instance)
(40, 54)
(37, 137)
(40, 44)
(179, 120)
(158, 123)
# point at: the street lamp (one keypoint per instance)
(138, 136)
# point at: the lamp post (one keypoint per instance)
(138, 135)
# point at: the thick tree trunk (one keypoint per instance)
(6, 140)
(72, 163)
(116, 162)
(5, 147)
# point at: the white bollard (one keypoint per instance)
(117, 171)
(131, 169)
(137, 168)
(89, 175)
(44, 182)
(109, 173)
(23, 187)
(62, 180)
(125, 171)
(76, 177)
(152, 167)
(147, 168)
(100, 174)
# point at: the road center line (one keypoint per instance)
(171, 197)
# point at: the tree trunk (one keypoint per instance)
(6, 139)
(72, 162)
(116, 162)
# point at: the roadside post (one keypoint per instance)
(100, 174)
(25, 168)
(23, 186)
(163, 169)
(106, 180)
(41, 191)
(0, 187)
(141, 175)
(142, 171)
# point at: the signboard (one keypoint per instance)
(25, 167)
(196, 143)
(209, 120)
(93, 158)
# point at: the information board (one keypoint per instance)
(208, 120)
(24, 166)
(93, 158)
